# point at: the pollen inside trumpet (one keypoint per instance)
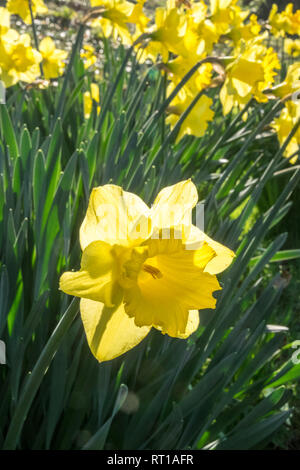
(155, 273)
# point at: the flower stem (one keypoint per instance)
(35, 378)
(36, 42)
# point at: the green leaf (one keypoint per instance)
(255, 433)
(289, 373)
(7, 131)
(97, 441)
(284, 255)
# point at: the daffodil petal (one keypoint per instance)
(47, 46)
(191, 325)
(242, 88)
(173, 205)
(110, 332)
(224, 256)
(223, 259)
(96, 279)
(111, 215)
(226, 99)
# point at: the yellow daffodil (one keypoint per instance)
(292, 47)
(284, 124)
(53, 59)
(276, 21)
(18, 60)
(21, 8)
(167, 35)
(88, 56)
(245, 31)
(227, 15)
(201, 33)
(143, 268)
(290, 84)
(89, 97)
(115, 18)
(197, 120)
(138, 18)
(285, 22)
(179, 67)
(252, 71)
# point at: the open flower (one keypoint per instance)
(227, 15)
(284, 124)
(197, 120)
(18, 60)
(179, 67)
(291, 83)
(285, 22)
(114, 19)
(167, 34)
(143, 268)
(241, 85)
(53, 59)
(201, 33)
(21, 8)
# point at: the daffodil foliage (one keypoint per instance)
(127, 323)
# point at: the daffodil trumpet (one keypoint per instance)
(143, 268)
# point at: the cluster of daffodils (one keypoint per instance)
(225, 44)
(143, 268)
(20, 61)
(184, 33)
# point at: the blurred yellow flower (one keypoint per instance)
(291, 82)
(197, 120)
(115, 18)
(179, 67)
(292, 47)
(21, 8)
(88, 98)
(143, 268)
(246, 31)
(283, 125)
(4, 21)
(88, 56)
(248, 74)
(138, 17)
(285, 22)
(167, 34)
(201, 33)
(18, 60)
(227, 15)
(53, 59)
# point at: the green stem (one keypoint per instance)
(35, 378)
(163, 124)
(36, 42)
